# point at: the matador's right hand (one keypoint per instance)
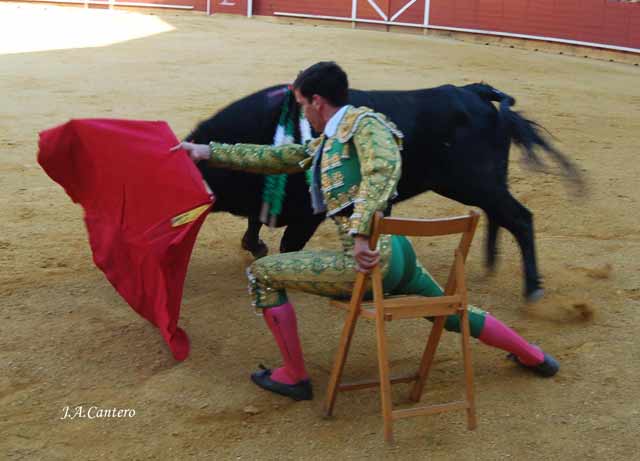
(196, 152)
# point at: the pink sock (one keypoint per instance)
(282, 323)
(497, 334)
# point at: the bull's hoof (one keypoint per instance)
(258, 251)
(490, 271)
(535, 295)
(490, 264)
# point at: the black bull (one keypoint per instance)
(456, 144)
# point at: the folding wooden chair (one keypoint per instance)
(453, 302)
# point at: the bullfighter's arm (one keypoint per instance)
(254, 158)
(380, 166)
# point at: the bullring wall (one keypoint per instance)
(609, 24)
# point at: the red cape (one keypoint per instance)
(143, 208)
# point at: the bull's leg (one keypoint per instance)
(507, 212)
(492, 244)
(251, 239)
(298, 233)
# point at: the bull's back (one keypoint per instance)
(451, 134)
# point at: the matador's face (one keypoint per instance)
(312, 110)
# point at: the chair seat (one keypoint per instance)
(408, 307)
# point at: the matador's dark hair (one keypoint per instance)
(326, 79)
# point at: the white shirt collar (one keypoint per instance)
(331, 127)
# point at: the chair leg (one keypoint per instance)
(468, 371)
(339, 362)
(345, 343)
(385, 383)
(427, 359)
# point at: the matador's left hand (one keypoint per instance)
(365, 257)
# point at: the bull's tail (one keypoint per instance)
(527, 134)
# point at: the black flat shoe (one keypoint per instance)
(548, 368)
(299, 391)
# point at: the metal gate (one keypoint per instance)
(391, 12)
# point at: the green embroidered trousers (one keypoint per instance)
(332, 273)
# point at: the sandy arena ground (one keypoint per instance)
(68, 339)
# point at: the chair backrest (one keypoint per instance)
(464, 225)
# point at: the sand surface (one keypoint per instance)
(67, 339)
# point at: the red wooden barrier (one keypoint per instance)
(604, 23)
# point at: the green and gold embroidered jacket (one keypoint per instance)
(360, 165)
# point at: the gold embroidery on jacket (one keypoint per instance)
(332, 181)
(349, 124)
